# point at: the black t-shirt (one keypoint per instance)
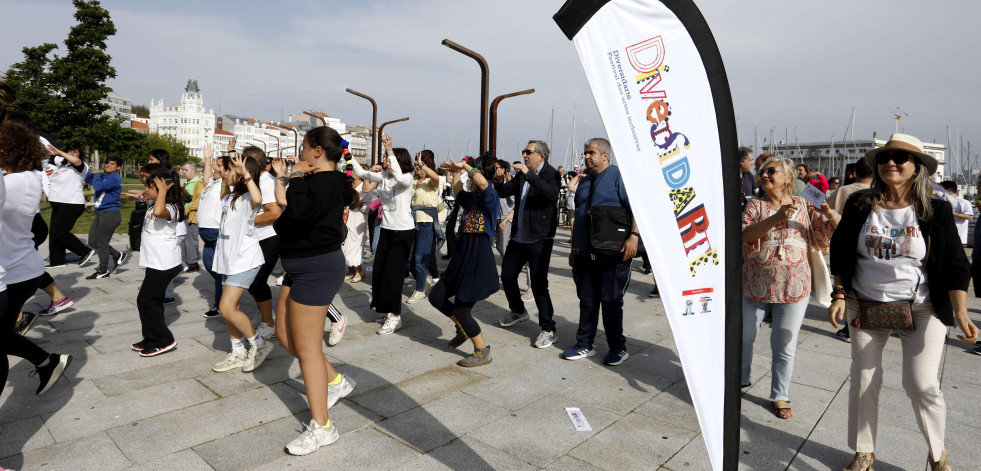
(313, 222)
(749, 184)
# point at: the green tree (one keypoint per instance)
(179, 153)
(63, 93)
(141, 110)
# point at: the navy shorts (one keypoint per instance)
(314, 281)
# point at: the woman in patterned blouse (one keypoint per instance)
(776, 273)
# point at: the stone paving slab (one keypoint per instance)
(414, 409)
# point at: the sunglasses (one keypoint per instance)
(769, 171)
(527, 152)
(897, 156)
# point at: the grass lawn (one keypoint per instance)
(85, 220)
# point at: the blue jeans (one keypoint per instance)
(787, 318)
(210, 239)
(419, 261)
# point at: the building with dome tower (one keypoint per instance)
(190, 122)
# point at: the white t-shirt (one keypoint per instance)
(209, 206)
(17, 255)
(237, 249)
(182, 228)
(395, 191)
(64, 182)
(962, 206)
(891, 249)
(267, 185)
(158, 249)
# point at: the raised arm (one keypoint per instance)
(207, 152)
(160, 209)
(255, 194)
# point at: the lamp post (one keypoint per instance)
(279, 145)
(296, 141)
(484, 87)
(374, 119)
(493, 116)
(382, 130)
(321, 118)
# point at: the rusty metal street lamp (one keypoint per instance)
(381, 130)
(493, 116)
(484, 87)
(321, 118)
(374, 119)
(279, 145)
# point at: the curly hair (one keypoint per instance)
(20, 148)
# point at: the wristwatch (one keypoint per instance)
(636, 234)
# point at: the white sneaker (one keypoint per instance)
(337, 331)
(313, 437)
(416, 297)
(391, 324)
(230, 362)
(339, 391)
(255, 357)
(265, 331)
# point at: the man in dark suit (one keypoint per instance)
(536, 191)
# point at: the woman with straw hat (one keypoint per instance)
(898, 245)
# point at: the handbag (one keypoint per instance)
(893, 314)
(609, 228)
(820, 275)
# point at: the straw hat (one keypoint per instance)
(906, 143)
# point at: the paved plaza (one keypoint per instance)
(414, 409)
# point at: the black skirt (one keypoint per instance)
(471, 275)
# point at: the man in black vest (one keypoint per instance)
(536, 191)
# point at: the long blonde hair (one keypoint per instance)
(921, 191)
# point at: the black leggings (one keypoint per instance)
(13, 344)
(149, 301)
(455, 308)
(40, 230)
(260, 285)
(63, 217)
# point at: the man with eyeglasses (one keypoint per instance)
(536, 189)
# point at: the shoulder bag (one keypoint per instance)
(609, 228)
(820, 275)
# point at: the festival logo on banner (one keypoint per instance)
(649, 84)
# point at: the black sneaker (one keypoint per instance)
(53, 265)
(138, 346)
(193, 268)
(85, 259)
(98, 275)
(843, 334)
(119, 260)
(170, 300)
(152, 352)
(976, 351)
(50, 373)
(213, 312)
(25, 323)
(645, 271)
(654, 293)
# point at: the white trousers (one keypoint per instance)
(922, 351)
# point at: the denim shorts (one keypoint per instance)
(240, 280)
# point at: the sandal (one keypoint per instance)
(782, 412)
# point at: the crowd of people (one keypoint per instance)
(895, 240)
(895, 243)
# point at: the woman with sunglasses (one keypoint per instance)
(777, 230)
(898, 244)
